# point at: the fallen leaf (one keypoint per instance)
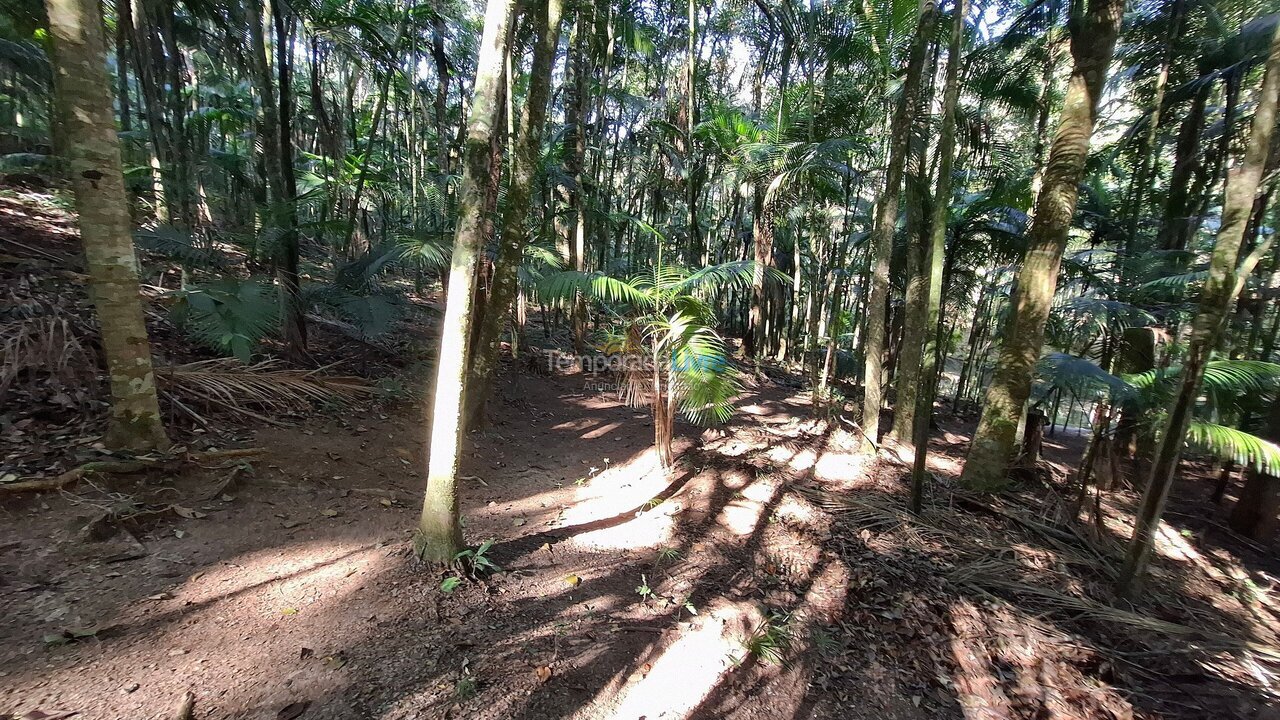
(293, 710)
(519, 521)
(329, 512)
(334, 662)
(187, 512)
(50, 715)
(386, 502)
(179, 534)
(289, 611)
(305, 653)
(543, 673)
(573, 580)
(290, 524)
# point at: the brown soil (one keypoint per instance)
(294, 585)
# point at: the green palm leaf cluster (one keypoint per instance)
(1229, 390)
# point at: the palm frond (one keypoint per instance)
(264, 386)
(1081, 376)
(230, 315)
(1228, 443)
(567, 284)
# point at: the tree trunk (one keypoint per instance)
(933, 262)
(92, 153)
(882, 235)
(515, 235)
(439, 535)
(1186, 164)
(762, 248)
(993, 447)
(1220, 290)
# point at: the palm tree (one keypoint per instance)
(1222, 286)
(515, 233)
(439, 535)
(664, 334)
(992, 447)
(93, 161)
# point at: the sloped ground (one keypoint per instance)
(727, 592)
(775, 575)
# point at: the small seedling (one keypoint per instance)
(772, 639)
(643, 590)
(466, 687)
(653, 503)
(477, 561)
(470, 563)
(668, 554)
(824, 641)
(687, 605)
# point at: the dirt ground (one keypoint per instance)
(285, 588)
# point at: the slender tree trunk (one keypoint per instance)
(993, 446)
(292, 319)
(546, 30)
(439, 535)
(1186, 165)
(882, 235)
(92, 150)
(933, 260)
(1220, 290)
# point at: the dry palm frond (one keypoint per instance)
(981, 567)
(47, 344)
(879, 513)
(238, 387)
(1003, 578)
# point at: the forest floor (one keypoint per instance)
(776, 574)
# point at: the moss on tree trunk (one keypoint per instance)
(439, 535)
(92, 153)
(994, 442)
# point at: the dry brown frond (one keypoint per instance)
(45, 344)
(236, 387)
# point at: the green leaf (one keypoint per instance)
(450, 583)
(1238, 446)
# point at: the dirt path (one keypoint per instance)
(724, 593)
(293, 585)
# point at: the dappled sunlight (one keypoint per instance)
(743, 514)
(279, 599)
(841, 467)
(288, 570)
(944, 465)
(600, 431)
(677, 680)
(620, 489)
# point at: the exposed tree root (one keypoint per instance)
(74, 475)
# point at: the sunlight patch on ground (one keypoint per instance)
(840, 466)
(631, 487)
(944, 465)
(743, 514)
(1172, 545)
(674, 683)
(279, 598)
(280, 572)
(601, 431)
